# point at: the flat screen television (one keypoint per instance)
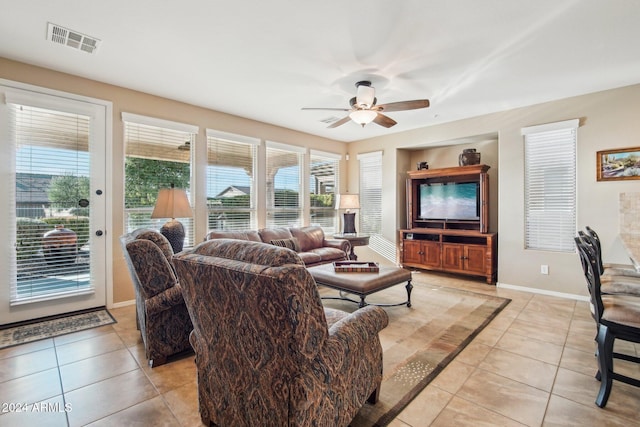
(450, 201)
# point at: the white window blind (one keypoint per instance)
(371, 204)
(231, 181)
(550, 186)
(323, 181)
(51, 177)
(370, 193)
(284, 185)
(156, 157)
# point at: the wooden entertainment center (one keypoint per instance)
(462, 246)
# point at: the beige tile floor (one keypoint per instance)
(533, 365)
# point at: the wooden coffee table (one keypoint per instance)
(362, 284)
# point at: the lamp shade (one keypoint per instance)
(172, 203)
(363, 117)
(348, 201)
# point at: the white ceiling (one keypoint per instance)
(265, 60)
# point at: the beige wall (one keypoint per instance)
(608, 119)
(125, 100)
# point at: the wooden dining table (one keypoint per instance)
(631, 242)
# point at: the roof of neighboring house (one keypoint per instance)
(32, 188)
(234, 190)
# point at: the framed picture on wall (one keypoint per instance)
(620, 164)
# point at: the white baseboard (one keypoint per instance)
(543, 292)
(122, 304)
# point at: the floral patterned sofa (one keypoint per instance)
(162, 316)
(309, 242)
(267, 352)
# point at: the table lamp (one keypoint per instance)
(172, 203)
(348, 202)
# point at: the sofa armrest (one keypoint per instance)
(165, 300)
(350, 360)
(363, 324)
(353, 336)
(341, 244)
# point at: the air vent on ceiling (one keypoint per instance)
(330, 119)
(71, 38)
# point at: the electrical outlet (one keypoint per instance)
(544, 269)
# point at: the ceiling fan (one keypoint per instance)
(364, 108)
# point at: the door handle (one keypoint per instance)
(99, 233)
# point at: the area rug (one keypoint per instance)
(420, 341)
(54, 327)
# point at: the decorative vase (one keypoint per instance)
(469, 156)
(60, 246)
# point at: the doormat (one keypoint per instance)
(53, 327)
(420, 341)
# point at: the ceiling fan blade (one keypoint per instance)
(404, 105)
(326, 109)
(339, 122)
(383, 120)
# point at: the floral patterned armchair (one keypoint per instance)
(267, 352)
(162, 316)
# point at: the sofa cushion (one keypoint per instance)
(327, 254)
(250, 235)
(287, 243)
(269, 234)
(309, 258)
(311, 237)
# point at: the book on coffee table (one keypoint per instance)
(356, 267)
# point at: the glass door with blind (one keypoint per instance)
(55, 244)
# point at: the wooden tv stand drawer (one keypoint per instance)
(466, 252)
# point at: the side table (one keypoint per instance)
(355, 240)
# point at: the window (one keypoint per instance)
(371, 204)
(158, 154)
(52, 176)
(284, 185)
(550, 186)
(370, 193)
(323, 181)
(231, 181)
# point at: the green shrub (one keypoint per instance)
(29, 236)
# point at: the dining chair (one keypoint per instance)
(610, 268)
(614, 278)
(617, 317)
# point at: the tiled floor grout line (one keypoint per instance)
(64, 400)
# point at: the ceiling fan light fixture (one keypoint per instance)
(363, 117)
